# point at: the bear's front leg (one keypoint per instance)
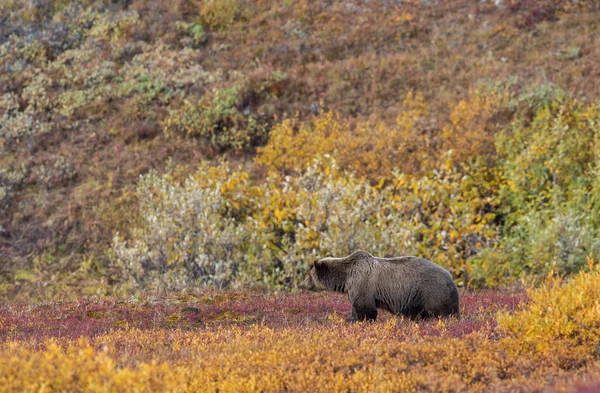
(364, 311)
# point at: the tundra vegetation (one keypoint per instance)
(151, 147)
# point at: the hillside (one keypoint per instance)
(169, 170)
(96, 93)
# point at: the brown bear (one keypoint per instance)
(410, 286)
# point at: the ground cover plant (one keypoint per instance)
(542, 340)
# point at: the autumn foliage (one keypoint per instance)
(170, 169)
(463, 131)
(245, 341)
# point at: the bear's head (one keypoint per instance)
(314, 281)
(328, 274)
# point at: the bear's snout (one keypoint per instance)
(308, 284)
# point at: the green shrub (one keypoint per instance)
(18, 126)
(185, 236)
(554, 238)
(549, 192)
(58, 171)
(11, 179)
(553, 150)
(194, 33)
(214, 228)
(216, 118)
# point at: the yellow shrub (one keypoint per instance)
(376, 150)
(289, 150)
(330, 357)
(369, 149)
(473, 125)
(569, 312)
(219, 14)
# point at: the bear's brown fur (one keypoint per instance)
(410, 286)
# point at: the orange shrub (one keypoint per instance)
(293, 145)
(335, 357)
(370, 149)
(568, 312)
(474, 122)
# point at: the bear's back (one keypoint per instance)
(412, 265)
(409, 282)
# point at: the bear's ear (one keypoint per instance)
(320, 266)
